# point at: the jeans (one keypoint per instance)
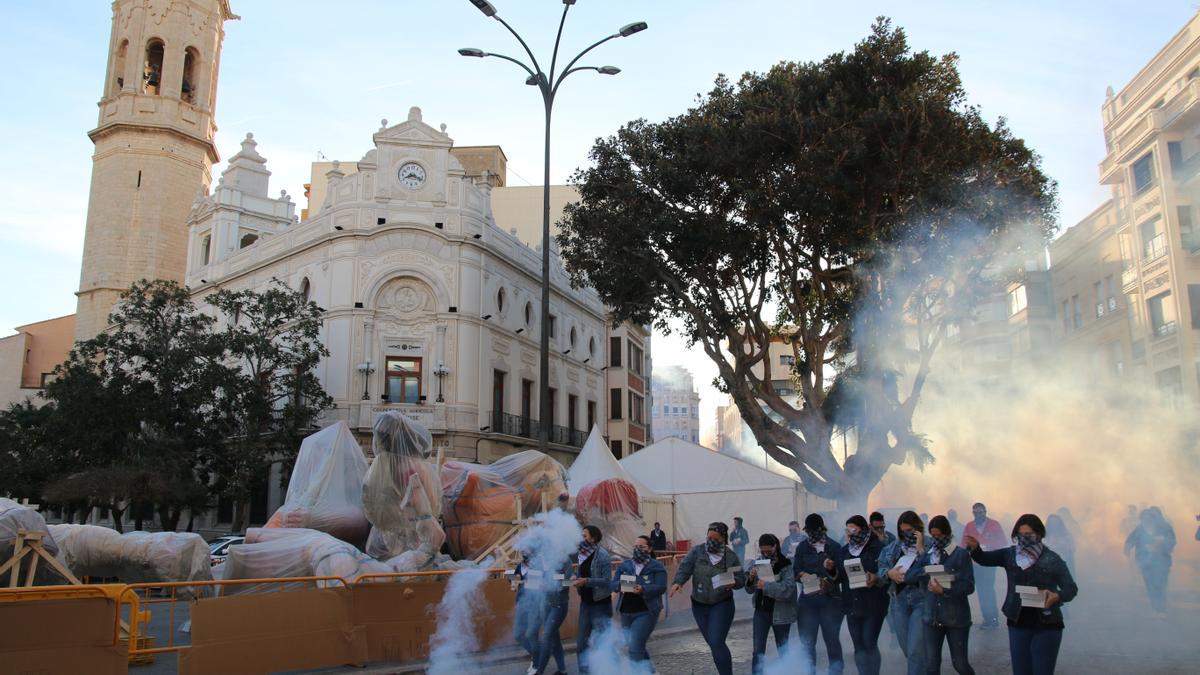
(550, 643)
(638, 627)
(592, 617)
(1034, 651)
(763, 627)
(1155, 574)
(957, 639)
(825, 614)
(713, 622)
(864, 633)
(908, 607)
(526, 623)
(985, 590)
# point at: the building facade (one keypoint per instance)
(154, 147)
(430, 308)
(676, 405)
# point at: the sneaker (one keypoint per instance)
(531, 670)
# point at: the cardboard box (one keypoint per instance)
(628, 582)
(939, 574)
(1032, 596)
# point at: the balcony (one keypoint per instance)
(1165, 329)
(1155, 248)
(1129, 279)
(527, 427)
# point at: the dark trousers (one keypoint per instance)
(637, 631)
(1034, 651)
(864, 633)
(957, 639)
(714, 622)
(549, 642)
(985, 590)
(762, 628)
(1155, 575)
(821, 613)
(526, 622)
(592, 618)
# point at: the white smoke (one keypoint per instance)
(792, 658)
(551, 537)
(609, 654)
(455, 643)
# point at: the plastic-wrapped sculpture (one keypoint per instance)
(478, 508)
(325, 492)
(133, 557)
(402, 493)
(538, 478)
(294, 552)
(612, 505)
(14, 517)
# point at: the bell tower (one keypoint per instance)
(154, 147)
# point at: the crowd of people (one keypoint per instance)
(915, 578)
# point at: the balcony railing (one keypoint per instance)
(1155, 248)
(527, 427)
(1129, 277)
(1165, 329)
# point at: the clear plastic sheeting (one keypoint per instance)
(612, 505)
(402, 492)
(325, 492)
(15, 517)
(538, 478)
(478, 507)
(293, 552)
(133, 557)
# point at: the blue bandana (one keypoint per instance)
(640, 556)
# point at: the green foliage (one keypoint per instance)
(845, 209)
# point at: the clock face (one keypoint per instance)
(412, 175)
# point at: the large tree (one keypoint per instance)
(847, 208)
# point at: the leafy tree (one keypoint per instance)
(274, 398)
(847, 208)
(26, 465)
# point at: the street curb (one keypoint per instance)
(510, 655)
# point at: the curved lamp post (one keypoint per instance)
(548, 85)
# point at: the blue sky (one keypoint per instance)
(308, 76)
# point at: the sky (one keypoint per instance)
(309, 77)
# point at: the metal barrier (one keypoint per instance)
(40, 593)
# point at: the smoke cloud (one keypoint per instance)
(453, 647)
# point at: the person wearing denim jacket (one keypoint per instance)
(712, 607)
(822, 610)
(556, 601)
(907, 602)
(866, 608)
(639, 610)
(594, 583)
(1034, 634)
(774, 601)
(947, 613)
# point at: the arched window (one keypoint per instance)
(305, 289)
(248, 240)
(187, 86)
(118, 80)
(205, 249)
(591, 347)
(152, 69)
(572, 337)
(528, 313)
(500, 300)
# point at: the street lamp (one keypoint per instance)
(548, 86)
(440, 372)
(366, 368)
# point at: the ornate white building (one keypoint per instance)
(429, 307)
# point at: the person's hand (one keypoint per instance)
(920, 541)
(935, 587)
(970, 543)
(638, 589)
(578, 583)
(872, 580)
(1052, 599)
(674, 589)
(896, 575)
(829, 564)
(753, 572)
(760, 584)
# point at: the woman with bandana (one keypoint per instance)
(1152, 543)
(639, 608)
(820, 609)
(865, 607)
(715, 572)
(907, 605)
(774, 601)
(594, 583)
(947, 611)
(554, 601)
(1034, 633)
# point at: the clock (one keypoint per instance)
(412, 175)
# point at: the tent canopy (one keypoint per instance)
(596, 462)
(708, 486)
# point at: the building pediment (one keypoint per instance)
(412, 131)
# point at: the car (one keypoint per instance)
(218, 549)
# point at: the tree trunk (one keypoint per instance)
(241, 513)
(117, 512)
(191, 519)
(168, 517)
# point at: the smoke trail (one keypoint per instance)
(551, 537)
(455, 642)
(609, 655)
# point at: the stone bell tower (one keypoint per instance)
(154, 147)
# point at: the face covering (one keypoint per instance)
(942, 543)
(1030, 545)
(713, 546)
(909, 538)
(640, 556)
(858, 538)
(815, 536)
(586, 549)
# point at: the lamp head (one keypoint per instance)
(471, 51)
(485, 7)
(608, 70)
(532, 80)
(630, 29)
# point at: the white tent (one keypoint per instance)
(708, 486)
(596, 462)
